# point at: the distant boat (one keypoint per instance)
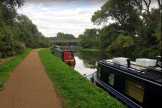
(137, 84)
(65, 54)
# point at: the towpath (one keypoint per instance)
(29, 86)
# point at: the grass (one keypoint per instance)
(77, 92)
(6, 69)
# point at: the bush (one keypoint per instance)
(147, 53)
(19, 47)
(10, 47)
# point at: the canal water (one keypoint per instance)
(82, 68)
(86, 62)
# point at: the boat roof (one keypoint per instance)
(151, 74)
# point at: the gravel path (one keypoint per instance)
(29, 87)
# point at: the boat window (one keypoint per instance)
(106, 75)
(135, 90)
(111, 79)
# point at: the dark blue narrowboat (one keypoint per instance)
(137, 84)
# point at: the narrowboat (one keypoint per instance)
(66, 55)
(136, 84)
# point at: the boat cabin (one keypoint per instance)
(68, 57)
(137, 84)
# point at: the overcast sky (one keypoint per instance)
(68, 16)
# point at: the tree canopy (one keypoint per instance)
(17, 32)
(13, 3)
(134, 23)
(89, 39)
(65, 36)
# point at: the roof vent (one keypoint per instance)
(146, 62)
(120, 60)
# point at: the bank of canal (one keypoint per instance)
(75, 90)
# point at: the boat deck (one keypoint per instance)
(152, 74)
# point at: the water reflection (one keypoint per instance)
(82, 68)
(86, 61)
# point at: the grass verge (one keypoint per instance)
(76, 91)
(6, 69)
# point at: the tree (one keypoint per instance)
(123, 12)
(64, 36)
(122, 46)
(17, 31)
(134, 18)
(129, 14)
(90, 38)
(29, 34)
(108, 34)
(13, 3)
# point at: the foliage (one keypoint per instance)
(9, 47)
(134, 23)
(107, 35)
(64, 39)
(5, 69)
(29, 34)
(13, 3)
(89, 39)
(122, 12)
(17, 31)
(76, 91)
(122, 45)
(63, 36)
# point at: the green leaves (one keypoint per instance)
(63, 36)
(90, 38)
(13, 3)
(136, 31)
(125, 41)
(122, 46)
(17, 31)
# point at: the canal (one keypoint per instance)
(86, 62)
(83, 68)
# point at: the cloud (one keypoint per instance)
(50, 18)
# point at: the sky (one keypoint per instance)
(68, 16)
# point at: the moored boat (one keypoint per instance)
(137, 84)
(65, 54)
(68, 57)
